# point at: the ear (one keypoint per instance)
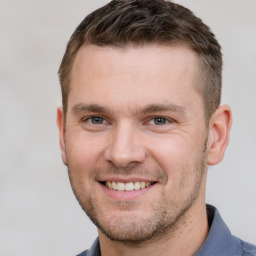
(219, 130)
(60, 123)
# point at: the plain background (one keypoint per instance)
(38, 212)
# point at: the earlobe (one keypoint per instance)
(219, 130)
(60, 123)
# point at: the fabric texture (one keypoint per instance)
(219, 242)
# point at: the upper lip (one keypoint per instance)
(127, 179)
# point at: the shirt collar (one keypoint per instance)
(95, 249)
(219, 240)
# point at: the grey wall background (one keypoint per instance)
(38, 212)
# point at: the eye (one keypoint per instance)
(159, 121)
(96, 120)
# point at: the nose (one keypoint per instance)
(125, 147)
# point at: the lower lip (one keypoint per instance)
(126, 195)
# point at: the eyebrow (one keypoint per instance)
(151, 108)
(79, 108)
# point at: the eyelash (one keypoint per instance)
(164, 119)
(92, 117)
(151, 119)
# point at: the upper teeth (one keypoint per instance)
(120, 186)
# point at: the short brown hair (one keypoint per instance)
(138, 22)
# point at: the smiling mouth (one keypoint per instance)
(130, 186)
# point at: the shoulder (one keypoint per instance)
(220, 241)
(84, 253)
(248, 249)
(245, 248)
(94, 250)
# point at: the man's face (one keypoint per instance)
(135, 139)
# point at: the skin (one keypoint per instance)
(128, 90)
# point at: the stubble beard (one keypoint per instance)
(132, 231)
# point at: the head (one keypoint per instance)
(141, 118)
(139, 22)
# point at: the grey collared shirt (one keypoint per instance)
(219, 242)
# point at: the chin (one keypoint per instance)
(134, 228)
(132, 231)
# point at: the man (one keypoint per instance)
(141, 121)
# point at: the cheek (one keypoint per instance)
(179, 159)
(80, 159)
(81, 163)
(83, 151)
(171, 152)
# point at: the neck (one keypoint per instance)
(185, 239)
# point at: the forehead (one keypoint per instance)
(136, 74)
(154, 56)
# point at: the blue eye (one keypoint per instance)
(160, 121)
(96, 120)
